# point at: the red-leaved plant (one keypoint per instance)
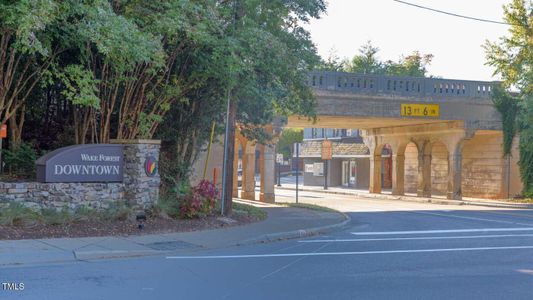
(201, 202)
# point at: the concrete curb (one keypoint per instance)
(110, 254)
(421, 199)
(88, 255)
(267, 238)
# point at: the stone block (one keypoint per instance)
(17, 190)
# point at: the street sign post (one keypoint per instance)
(327, 154)
(3, 135)
(297, 168)
(279, 161)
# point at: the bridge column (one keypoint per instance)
(455, 160)
(248, 172)
(424, 169)
(375, 173)
(267, 161)
(398, 168)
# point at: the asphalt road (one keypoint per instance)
(391, 250)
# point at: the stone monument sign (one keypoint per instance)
(82, 163)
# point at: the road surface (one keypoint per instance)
(390, 250)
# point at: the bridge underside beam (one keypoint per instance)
(356, 122)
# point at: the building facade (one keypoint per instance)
(349, 166)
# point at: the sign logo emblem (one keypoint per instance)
(150, 166)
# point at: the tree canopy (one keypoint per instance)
(90, 71)
(512, 58)
(368, 62)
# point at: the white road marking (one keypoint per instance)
(441, 231)
(469, 218)
(525, 271)
(419, 238)
(349, 253)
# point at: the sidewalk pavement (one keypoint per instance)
(409, 197)
(282, 223)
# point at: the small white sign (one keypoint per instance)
(318, 169)
(309, 168)
(279, 158)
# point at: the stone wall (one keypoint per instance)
(482, 166)
(141, 190)
(138, 189)
(59, 195)
(411, 168)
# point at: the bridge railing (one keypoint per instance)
(399, 85)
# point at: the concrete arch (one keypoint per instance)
(381, 167)
(248, 171)
(249, 154)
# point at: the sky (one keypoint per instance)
(397, 29)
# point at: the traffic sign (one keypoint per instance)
(279, 158)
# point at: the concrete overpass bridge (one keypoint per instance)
(445, 135)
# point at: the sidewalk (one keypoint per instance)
(281, 223)
(409, 197)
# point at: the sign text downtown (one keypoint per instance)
(83, 169)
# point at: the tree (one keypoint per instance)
(269, 56)
(26, 52)
(288, 137)
(512, 58)
(332, 62)
(366, 62)
(413, 65)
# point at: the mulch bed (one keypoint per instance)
(117, 228)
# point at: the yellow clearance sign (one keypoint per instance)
(420, 110)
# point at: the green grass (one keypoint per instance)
(522, 200)
(308, 206)
(20, 216)
(249, 210)
(168, 205)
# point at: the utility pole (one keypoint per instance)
(297, 168)
(229, 142)
(327, 154)
(279, 161)
(325, 174)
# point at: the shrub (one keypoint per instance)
(118, 211)
(18, 215)
(200, 202)
(21, 160)
(51, 216)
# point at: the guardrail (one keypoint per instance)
(398, 85)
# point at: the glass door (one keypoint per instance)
(353, 173)
(345, 173)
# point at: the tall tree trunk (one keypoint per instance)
(15, 128)
(229, 161)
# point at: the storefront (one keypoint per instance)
(349, 173)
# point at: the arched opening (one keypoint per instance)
(411, 168)
(248, 171)
(439, 169)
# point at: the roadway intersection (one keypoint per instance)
(390, 250)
